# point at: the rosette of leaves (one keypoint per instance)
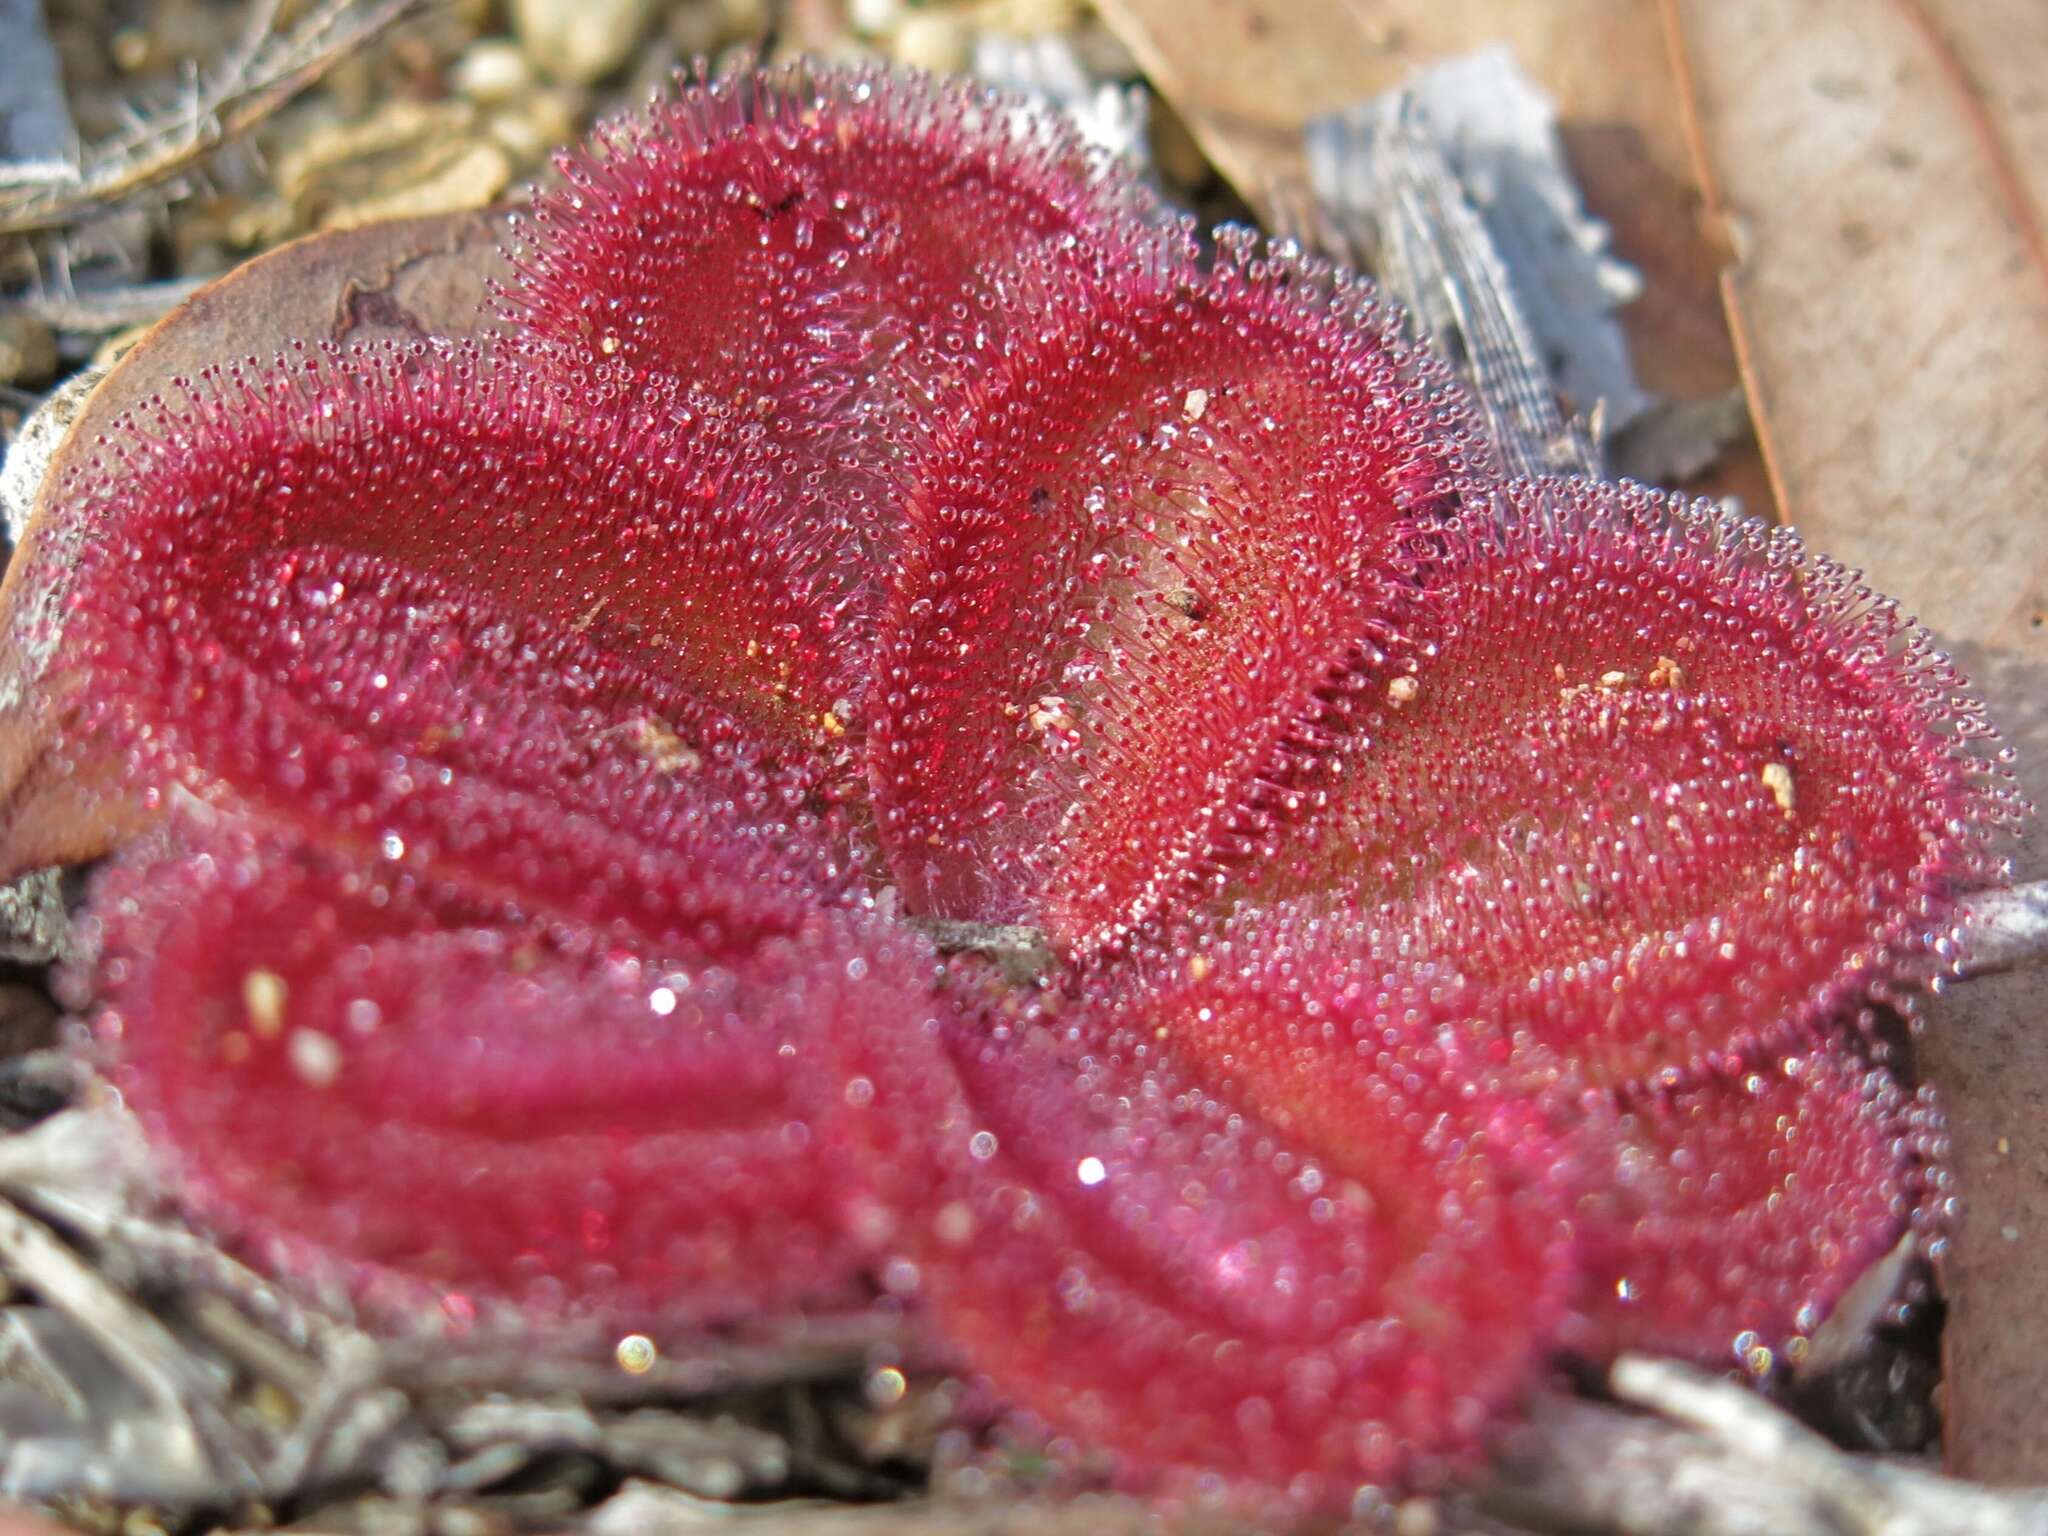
(870, 511)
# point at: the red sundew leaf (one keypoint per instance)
(768, 245)
(385, 713)
(242, 596)
(625, 1102)
(1744, 1205)
(606, 930)
(1661, 784)
(770, 236)
(1161, 523)
(1171, 1241)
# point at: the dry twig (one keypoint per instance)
(2004, 930)
(1386, 191)
(266, 71)
(103, 310)
(1719, 1460)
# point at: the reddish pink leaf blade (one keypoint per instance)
(633, 531)
(1742, 1207)
(1180, 1239)
(1175, 511)
(1659, 783)
(764, 237)
(666, 1114)
(769, 247)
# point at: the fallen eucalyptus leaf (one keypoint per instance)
(1880, 172)
(1880, 175)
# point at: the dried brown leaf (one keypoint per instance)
(1881, 170)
